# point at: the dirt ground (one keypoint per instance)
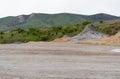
(53, 60)
(111, 40)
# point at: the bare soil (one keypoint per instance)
(58, 60)
(113, 40)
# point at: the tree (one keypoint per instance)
(1, 37)
(12, 35)
(20, 30)
(1, 33)
(100, 21)
(86, 22)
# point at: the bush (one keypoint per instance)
(39, 34)
(100, 21)
(86, 22)
(1, 33)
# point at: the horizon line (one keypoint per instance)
(59, 13)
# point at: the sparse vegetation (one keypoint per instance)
(39, 34)
(109, 27)
(51, 33)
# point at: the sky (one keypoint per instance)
(86, 7)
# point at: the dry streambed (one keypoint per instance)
(58, 61)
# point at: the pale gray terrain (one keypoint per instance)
(58, 61)
(89, 32)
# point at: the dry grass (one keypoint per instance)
(112, 40)
(65, 38)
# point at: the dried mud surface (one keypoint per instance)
(53, 60)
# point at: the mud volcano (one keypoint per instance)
(90, 32)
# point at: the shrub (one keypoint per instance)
(100, 21)
(86, 22)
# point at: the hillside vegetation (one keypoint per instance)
(108, 27)
(51, 33)
(36, 20)
(39, 34)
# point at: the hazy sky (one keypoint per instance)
(18, 7)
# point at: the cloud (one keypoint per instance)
(17, 7)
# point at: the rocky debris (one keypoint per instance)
(22, 19)
(19, 20)
(90, 32)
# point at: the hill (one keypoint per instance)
(47, 20)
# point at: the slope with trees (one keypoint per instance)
(36, 20)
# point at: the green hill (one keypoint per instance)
(47, 20)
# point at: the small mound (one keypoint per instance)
(65, 38)
(90, 32)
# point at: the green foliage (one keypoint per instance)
(1, 33)
(110, 27)
(39, 34)
(1, 37)
(101, 21)
(12, 34)
(38, 20)
(20, 30)
(86, 22)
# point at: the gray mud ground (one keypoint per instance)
(58, 61)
